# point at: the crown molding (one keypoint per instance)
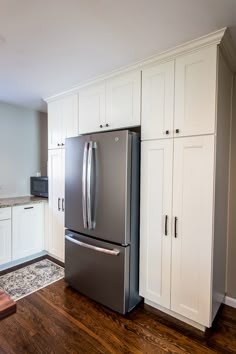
(229, 50)
(214, 38)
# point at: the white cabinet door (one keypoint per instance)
(123, 100)
(156, 208)
(54, 125)
(92, 108)
(195, 92)
(158, 101)
(193, 185)
(27, 230)
(62, 120)
(70, 117)
(5, 241)
(56, 215)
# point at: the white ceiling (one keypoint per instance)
(48, 46)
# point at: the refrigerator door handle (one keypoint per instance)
(113, 252)
(89, 171)
(84, 180)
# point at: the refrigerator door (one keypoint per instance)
(76, 161)
(110, 187)
(107, 187)
(98, 269)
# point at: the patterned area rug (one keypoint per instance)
(27, 280)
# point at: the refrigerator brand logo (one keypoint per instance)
(116, 139)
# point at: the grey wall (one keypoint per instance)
(23, 148)
(231, 267)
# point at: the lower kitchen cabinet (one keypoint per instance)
(56, 175)
(5, 241)
(27, 230)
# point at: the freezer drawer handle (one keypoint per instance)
(113, 252)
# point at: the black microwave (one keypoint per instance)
(39, 186)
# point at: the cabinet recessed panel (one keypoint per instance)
(192, 246)
(92, 109)
(195, 92)
(155, 238)
(158, 101)
(123, 94)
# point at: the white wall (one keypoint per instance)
(23, 142)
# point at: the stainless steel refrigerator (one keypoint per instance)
(102, 217)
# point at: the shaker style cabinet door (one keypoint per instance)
(27, 230)
(195, 92)
(62, 120)
(5, 241)
(193, 192)
(155, 231)
(54, 125)
(92, 108)
(70, 117)
(56, 202)
(158, 101)
(123, 100)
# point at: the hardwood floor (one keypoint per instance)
(58, 320)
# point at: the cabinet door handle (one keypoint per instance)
(107, 125)
(166, 221)
(176, 227)
(100, 125)
(59, 204)
(177, 131)
(63, 204)
(29, 208)
(58, 144)
(167, 132)
(62, 144)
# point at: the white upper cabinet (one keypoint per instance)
(158, 101)
(92, 108)
(195, 92)
(69, 117)
(62, 120)
(111, 104)
(54, 125)
(193, 195)
(123, 95)
(156, 210)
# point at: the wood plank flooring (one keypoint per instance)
(59, 320)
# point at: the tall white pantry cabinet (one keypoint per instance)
(185, 149)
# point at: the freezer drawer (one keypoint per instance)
(98, 269)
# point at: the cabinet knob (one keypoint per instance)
(101, 126)
(167, 132)
(58, 144)
(107, 125)
(62, 144)
(177, 131)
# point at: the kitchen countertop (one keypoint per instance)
(10, 202)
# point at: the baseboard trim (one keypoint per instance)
(55, 260)
(230, 301)
(175, 315)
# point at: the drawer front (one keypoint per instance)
(5, 213)
(102, 277)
